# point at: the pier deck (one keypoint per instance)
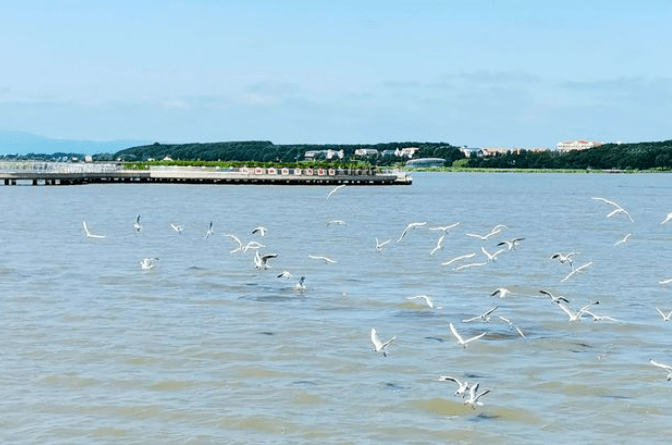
(193, 175)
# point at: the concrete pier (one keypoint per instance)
(78, 174)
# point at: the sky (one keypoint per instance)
(476, 73)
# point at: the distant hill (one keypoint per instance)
(22, 143)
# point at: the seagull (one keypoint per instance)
(564, 258)
(473, 397)
(378, 345)
(260, 230)
(137, 227)
(337, 222)
(618, 209)
(252, 245)
(667, 219)
(461, 386)
(484, 317)
(89, 234)
(428, 301)
(445, 228)
(511, 325)
(334, 190)
(439, 245)
(468, 266)
(409, 227)
(511, 244)
(500, 292)
(285, 274)
(210, 230)
(495, 230)
(554, 299)
(665, 317)
(623, 240)
(176, 227)
(148, 263)
(260, 262)
(577, 270)
(459, 258)
(300, 286)
(461, 340)
(599, 317)
(665, 281)
(379, 245)
(240, 245)
(491, 256)
(576, 316)
(322, 258)
(667, 368)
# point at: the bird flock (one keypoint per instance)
(489, 247)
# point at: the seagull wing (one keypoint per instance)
(456, 334)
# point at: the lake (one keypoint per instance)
(206, 349)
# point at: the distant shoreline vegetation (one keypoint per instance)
(631, 157)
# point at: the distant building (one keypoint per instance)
(581, 144)
(426, 162)
(408, 152)
(366, 152)
(311, 155)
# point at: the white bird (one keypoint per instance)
(445, 228)
(285, 274)
(491, 256)
(564, 258)
(473, 396)
(380, 245)
(667, 368)
(618, 209)
(665, 317)
(148, 263)
(235, 238)
(439, 245)
(210, 230)
(469, 266)
(337, 222)
(176, 227)
(459, 258)
(554, 299)
(665, 281)
(495, 230)
(667, 219)
(623, 240)
(428, 301)
(500, 292)
(137, 226)
(484, 317)
(378, 345)
(577, 270)
(576, 316)
(334, 190)
(599, 317)
(512, 326)
(89, 234)
(322, 258)
(300, 286)
(461, 386)
(252, 245)
(511, 244)
(410, 227)
(260, 230)
(261, 262)
(461, 340)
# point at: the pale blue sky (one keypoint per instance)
(468, 72)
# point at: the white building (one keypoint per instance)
(581, 144)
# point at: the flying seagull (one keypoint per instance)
(554, 299)
(261, 262)
(618, 209)
(260, 230)
(148, 263)
(89, 234)
(576, 316)
(334, 190)
(322, 258)
(461, 386)
(472, 400)
(484, 317)
(235, 238)
(461, 340)
(666, 317)
(577, 270)
(379, 245)
(410, 227)
(667, 368)
(176, 227)
(210, 230)
(137, 226)
(378, 345)
(427, 300)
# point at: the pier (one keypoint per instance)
(60, 173)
